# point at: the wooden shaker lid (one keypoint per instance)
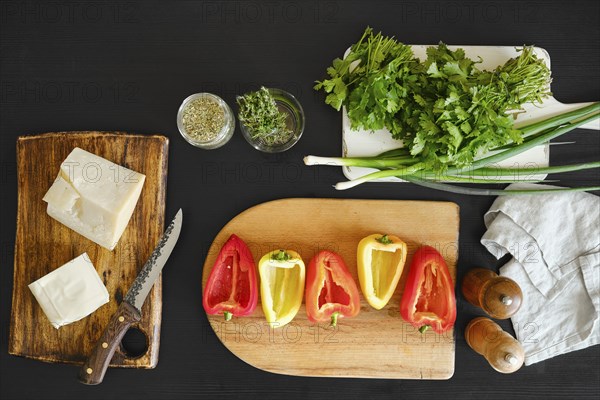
(502, 298)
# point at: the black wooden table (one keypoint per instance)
(127, 65)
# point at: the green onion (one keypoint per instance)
(559, 119)
(533, 129)
(527, 145)
(398, 163)
(466, 179)
(492, 192)
(523, 172)
(379, 175)
(369, 162)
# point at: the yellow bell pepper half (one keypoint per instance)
(380, 260)
(282, 275)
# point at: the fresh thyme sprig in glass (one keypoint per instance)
(263, 119)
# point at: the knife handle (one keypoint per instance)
(93, 370)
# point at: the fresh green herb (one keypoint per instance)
(455, 120)
(371, 81)
(396, 163)
(384, 240)
(444, 109)
(263, 119)
(203, 118)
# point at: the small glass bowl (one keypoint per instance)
(287, 104)
(222, 137)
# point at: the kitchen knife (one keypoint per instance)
(130, 311)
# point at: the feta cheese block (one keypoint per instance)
(94, 197)
(71, 292)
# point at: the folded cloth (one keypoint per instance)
(555, 243)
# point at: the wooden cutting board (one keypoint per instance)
(375, 344)
(43, 244)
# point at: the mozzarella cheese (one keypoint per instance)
(94, 197)
(71, 292)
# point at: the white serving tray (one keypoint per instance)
(364, 143)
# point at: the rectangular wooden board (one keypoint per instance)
(43, 244)
(374, 344)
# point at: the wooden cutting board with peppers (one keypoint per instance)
(321, 243)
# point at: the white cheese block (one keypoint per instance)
(71, 292)
(94, 197)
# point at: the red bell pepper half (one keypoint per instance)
(232, 288)
(428, 299)
(331, 292)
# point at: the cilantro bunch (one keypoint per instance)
(446, 111)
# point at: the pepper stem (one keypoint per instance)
(227, 315)
(280, 255)
(334, 318)
(424, 328)
(384, 240)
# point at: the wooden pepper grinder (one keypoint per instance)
(498, 296)
(503, 352)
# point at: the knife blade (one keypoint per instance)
(130, 310)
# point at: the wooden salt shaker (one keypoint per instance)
(500, 349)
(498, 296)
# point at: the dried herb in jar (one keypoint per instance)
(203, 119)
(263, 119)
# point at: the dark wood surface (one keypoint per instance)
(128, 65)
(50, 244)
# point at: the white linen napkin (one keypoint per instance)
(555, 243)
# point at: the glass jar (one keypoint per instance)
(199, 129)
(287, 104)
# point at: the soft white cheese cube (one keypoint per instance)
(94, 197)
(71, 292)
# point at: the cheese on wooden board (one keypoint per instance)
(71, 292)
(94, 197)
